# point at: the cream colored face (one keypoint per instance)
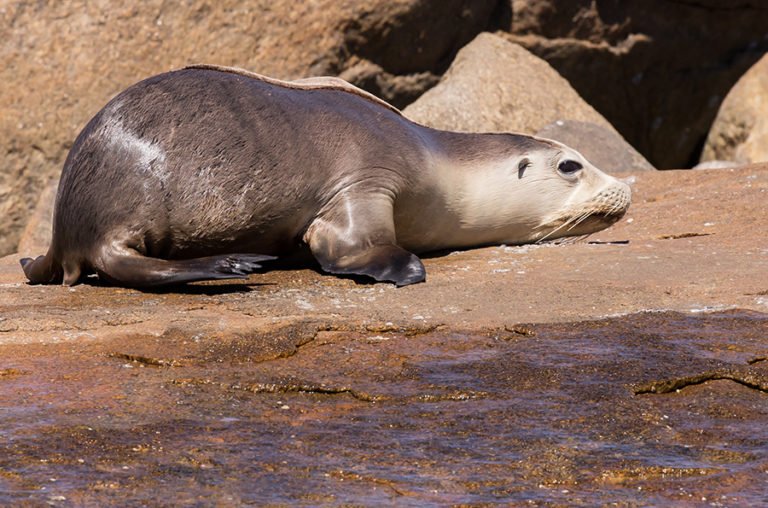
(549, 193)
(570, 196)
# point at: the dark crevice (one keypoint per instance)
(146, 360)
(683, 235)
(747, 378)
(311, 388)
(715, 8)
(400, 57)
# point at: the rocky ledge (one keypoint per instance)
(514, 373)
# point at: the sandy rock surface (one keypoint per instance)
(740, 131)
(691, 241)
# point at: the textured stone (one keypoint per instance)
(656, 69)
(740, 130)
(497, 86)
(603, 147)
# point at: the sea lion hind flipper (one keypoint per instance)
(134, 270)
(42, 270)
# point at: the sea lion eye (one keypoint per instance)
(569, 167)
(522, 166)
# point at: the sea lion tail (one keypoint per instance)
(43, 269)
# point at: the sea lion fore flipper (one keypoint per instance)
(135, 270)
(356, 236)
(385, 263)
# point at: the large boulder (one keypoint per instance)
(740, 131)
(494, 85)
(656, 69)
(60, 62)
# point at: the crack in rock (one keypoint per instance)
(284, 387)
(683, 235)
(408, 331)
(755, 380)
(308, 387)
(521, 329)
(146, 360)
(301, 387)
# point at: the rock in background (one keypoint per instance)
(656, 69)
(496, 86)
(601, 145)
(740, 131)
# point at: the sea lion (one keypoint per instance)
(204, 172)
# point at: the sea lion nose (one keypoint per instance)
(615, 199)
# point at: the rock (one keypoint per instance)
(62, 61)
(497, 86)
(603, 147)
(397, 90)
(656, 69)
(633, 408)
(740, 130)
(717, 164)
(36, 236)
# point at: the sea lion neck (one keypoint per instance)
(473, 150)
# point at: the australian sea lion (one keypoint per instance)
(204, 172)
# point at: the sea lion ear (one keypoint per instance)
(522, 166)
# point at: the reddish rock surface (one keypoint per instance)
(295, 387)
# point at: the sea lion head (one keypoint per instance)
(538, 190)
(583, 200)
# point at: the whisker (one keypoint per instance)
(581, 218)
(558, 228)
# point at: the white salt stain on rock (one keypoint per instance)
(304, 304)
